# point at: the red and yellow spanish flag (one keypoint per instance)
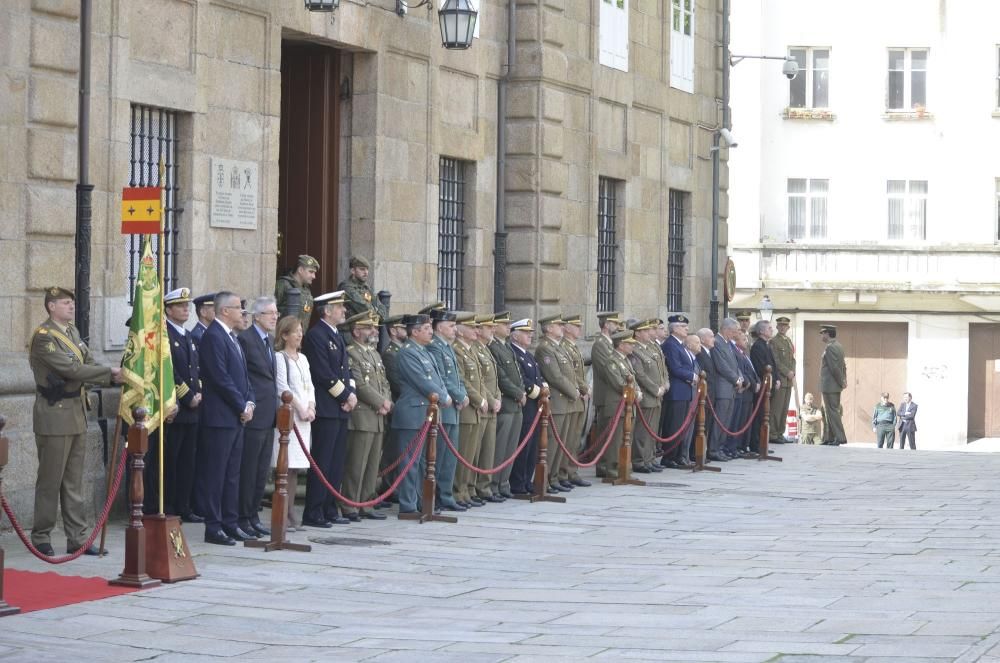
(141, 210)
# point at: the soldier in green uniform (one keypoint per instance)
(884, 422)
(743, 317)
(650, 379)
(564, 392)
(301, 277)
(472, 419)
(62, 365)
(512, 398)
(784, 356)
(357, 293)
(576, 418)
(600, 351)
(610, 378)
(491, 391)
(397, 339)
(832, 381)
(367, 424)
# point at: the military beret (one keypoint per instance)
(611, 316)
(466, 318)
(442, 315)
(308, 262)
(395, 321)
(573, 319)
(486, 320)
(178, 296)
(431, 307)
(358, 261)
(203, 300)
(415, 319)
(56, 293)
(681, 318)
(828, 328)
(335, 297)
(622, 337)
(783, 320)
(502, 316)
(551, 320)
(523, 325)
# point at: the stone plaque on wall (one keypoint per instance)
(234, 194)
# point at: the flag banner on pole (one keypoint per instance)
(141, 210)
(147, 353)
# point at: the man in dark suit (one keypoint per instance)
(524, 466)
(745, 399)
(762, 357)
(335, 398)
(227, 405)
(204, 309)
(907, 421)
(258, 438)
(683, 371)
(182, 432)
(727, 384)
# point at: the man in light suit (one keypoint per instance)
(728, 382)
(683, 372)
(227, 405)
(258, 438)
(907, 421)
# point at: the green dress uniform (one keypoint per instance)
(390, 358)
(576, 418)
(366, 427)
(600, 352)
(884, 424)
(487, 448)
(610, 378)
(649, 380)
(471, 421)
(832, 381)
(281, 288)
(784, 356)
(564, 396)
(61, 364)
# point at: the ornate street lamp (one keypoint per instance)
(322, 5)
(457, 19)
(766, 309)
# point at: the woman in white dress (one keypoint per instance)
(292, 374)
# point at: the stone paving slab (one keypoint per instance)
(835, 556)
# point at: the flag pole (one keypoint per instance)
(159, 328)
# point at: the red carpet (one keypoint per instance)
(30, 591)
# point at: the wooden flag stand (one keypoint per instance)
(279, 501)
(540, 484)
(5, 608)
(765, 424)
(426, 513)
(700, 441)
(134, 574)
(624, 477)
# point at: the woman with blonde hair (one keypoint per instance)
(292, 374)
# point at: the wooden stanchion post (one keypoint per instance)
(426, 513)
(765, 424)
(540, 485)
(624, 477)
(279, 500)
(134, 573)
(700, 437)
(5, 608)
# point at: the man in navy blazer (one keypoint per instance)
(326, 351)
(907, 421)
(746, 397)
(227, 405)
(683, 372)
(258, 438)
(524, 467)
(204, 310)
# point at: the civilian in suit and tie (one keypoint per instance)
(181, 435)
(524, 466)
(728, 381)
(326, 351)
(762, 357)
(258, 348)
(706, 363)
(745, 397)
(684, 375)
(907, 421)
(513, 397)
(440, 349)
(227, 405)
(204, 309)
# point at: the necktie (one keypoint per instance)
(237, 342)
(267, 344)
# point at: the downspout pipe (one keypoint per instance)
(713, 307)
(500, 235)
(84, 189)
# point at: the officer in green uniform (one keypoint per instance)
(390, 355)
(649, 378)
(367, 424)
(62, 364)
(302, 277)
(600, 351)
(564, 392)
(884, 422)
(743, 317)
(832, 381)
(357, 293)
(513, 397)
(576, 418)
(491, 391)
(610, 378)
(784, 356)
(472, 419)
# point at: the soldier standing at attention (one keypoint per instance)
(743, 317)
(301, 277)
(600, 351)
(611, 376)
(204, 309)
(832, 381)
(576, 419)
(512, 398)
(491, 390)
(471, 419)
(358, 293)
(397, 339)
(443, 323)
(62, 364)
(564, 392)
(784, 357)
(650, 376)
(367, 424)
(884, 422)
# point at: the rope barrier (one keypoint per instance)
(409, 449)
(421, 435)
(746, 426)
(676, 437)
(502, 466)
(610, 435)
(93, 534)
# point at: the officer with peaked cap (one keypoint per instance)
(832, 381)
(564, 393)
(576, 417)
(301, 277)
(204, 310)
(524, 467)
(443, 323)
(612, 375)
(512, 398)
(784, 356)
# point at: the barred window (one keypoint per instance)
(607, 245)
(451, 232)
(153, 137)
(675, 251)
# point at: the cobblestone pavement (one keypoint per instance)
(837, 554)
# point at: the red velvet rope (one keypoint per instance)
(746, 426)
(502, 466)
(688, 418)
(93, 534)
(409, 449)
(610, 433)
(421, 435)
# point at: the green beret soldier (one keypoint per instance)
(301, 277)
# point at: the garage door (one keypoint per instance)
(984, 380)
(876, 362)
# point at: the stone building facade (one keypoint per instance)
(349, 119)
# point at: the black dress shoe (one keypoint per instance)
(309, 522)
(237, 534)
(580, 482)
(192, 518)
(566, 484)
(718, 458)
(90, 550)
(371, 515)
(261, 529)
(46, 549)
(340, 520)
(353, 517)
(219, 538)
(552, 490)
(476, 502)
(652, 467)
(507, 495)
(641, 469)
(668, 464)
(452, 507)
(494, 499)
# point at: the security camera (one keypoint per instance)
(728, 137)
(790, 69)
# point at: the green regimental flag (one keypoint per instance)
(147, 353)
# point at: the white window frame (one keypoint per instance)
(613, 40)
(997, 92)
(996, 228)
(910, 208)
(683, 21)
(908, 105)
(807, 70)
(814, 191)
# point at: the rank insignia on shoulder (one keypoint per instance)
(368, 297)
(307, 308)
(42, 330)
